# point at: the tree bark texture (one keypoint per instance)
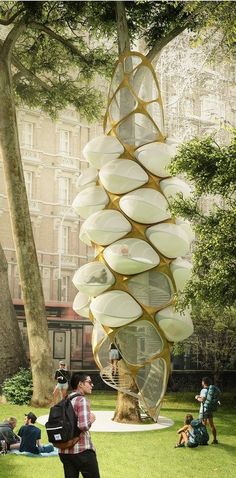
(12, 354)
(127, 407)
(40, 353)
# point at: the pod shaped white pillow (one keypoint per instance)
(105, 227)
(156, 157)
(101, 150)
(81, 304)
(170, 239)
(175, 326)
(122, 175)
(181, 270)
(115, 308)
(93, 278)
(186, 226)
(173, 186)
(145, 205)
(87, 178)
(90, 200)
(131, 256)
(83, 235)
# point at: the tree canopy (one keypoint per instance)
(212, 170)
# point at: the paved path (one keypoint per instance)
(104, 423)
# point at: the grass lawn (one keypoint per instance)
(139, 455)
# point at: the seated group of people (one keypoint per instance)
(28, 438)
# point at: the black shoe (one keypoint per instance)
(214, 442)
(179, 445)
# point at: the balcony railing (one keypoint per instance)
(29, 154)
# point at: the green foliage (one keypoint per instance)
(212, 170)
(211, 167)
(19, 388)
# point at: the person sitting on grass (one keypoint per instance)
(7, 434)
(184, 432)
(31, 435)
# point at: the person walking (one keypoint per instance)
(206, 415)
(82, 456)
(62, 376)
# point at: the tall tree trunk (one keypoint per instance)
(12, 354)
(127, 102)
(40, 353)
(127, 408)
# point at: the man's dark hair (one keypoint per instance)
(76, 378)
(207, 381)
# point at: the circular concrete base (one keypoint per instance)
(104, 423)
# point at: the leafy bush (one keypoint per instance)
(19, 388)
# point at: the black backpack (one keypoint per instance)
(62, 427)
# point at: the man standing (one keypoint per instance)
(62, 375)
(206, 415)
(81, 457)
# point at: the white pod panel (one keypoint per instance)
(87, 178)
(115, 308)
(81, 304)
(131, 256)
(173, 186)
(145, 205)
(93, 278)
(83, 235)
(181, 270)
(186, 226)
(122, 175)
(171, 240)
(156, 157)
(90, 200)
(175, 326)
(101, 150)
(105, 227)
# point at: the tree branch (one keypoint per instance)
(67, 43)
(23, 71)
(161, 43)
(13, 36)
(11, 19)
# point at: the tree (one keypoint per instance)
(211, 290)
(212, 170)
(43, 42)
(12, 355)
(158, 23)
(215, 351)
(40, 44)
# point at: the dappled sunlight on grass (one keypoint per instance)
(139, 455)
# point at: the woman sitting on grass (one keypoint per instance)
(184, 432)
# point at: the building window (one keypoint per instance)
(28, 135)
(64, 141)
(65, 281)
(64, 191)
(29, 183)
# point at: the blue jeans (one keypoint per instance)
(46, 448)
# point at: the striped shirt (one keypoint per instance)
(82, 410)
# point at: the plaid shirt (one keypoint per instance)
(82, 410)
